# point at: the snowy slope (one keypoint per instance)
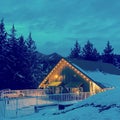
(85, 110)
(103, 106)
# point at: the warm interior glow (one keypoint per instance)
(56, 76)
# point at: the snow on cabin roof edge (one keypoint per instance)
(100, 80)
(85, 73)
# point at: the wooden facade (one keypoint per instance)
(66, 77)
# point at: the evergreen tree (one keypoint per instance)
(19, 64)
(13, 32)
(3, 51)
(33, 61)
(12, 56)
(75, 52)
(12, 41)
(3, 36)
(117, 61)
(108, 55)
(31, 43)
(96, 55)
(27, 68)
(20, 69)
(89, 52)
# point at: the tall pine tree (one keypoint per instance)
(75, 52)
(89, 52)
(19, 64)
(3, 36)
(33, 61)
(108, 55)
(3, 54)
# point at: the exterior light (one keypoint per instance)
(87, 79)
(77, 92)
(84, 77)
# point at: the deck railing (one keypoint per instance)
(20, 106)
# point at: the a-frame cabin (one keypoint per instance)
(67, 77)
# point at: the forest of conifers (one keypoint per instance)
(21, 65)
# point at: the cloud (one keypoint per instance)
(55, 21)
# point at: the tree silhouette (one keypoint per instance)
(3, 36)
(108, 55)
(19, 66)
(75, 52)
(89, 52)
(3, 54)
(30, 43)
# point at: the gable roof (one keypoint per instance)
(103, 74)
(95, 66)
(83, 73)
(89, 76)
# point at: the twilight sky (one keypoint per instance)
(57, 24)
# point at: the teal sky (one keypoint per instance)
(57, 24)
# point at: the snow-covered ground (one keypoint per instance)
(17, 107)
(103, 106)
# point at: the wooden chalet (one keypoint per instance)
(68, 77)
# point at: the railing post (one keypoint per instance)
(85, 95)
(36, 100)
(4, 108)
(16, 107)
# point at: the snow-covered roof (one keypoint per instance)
(104, 80)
